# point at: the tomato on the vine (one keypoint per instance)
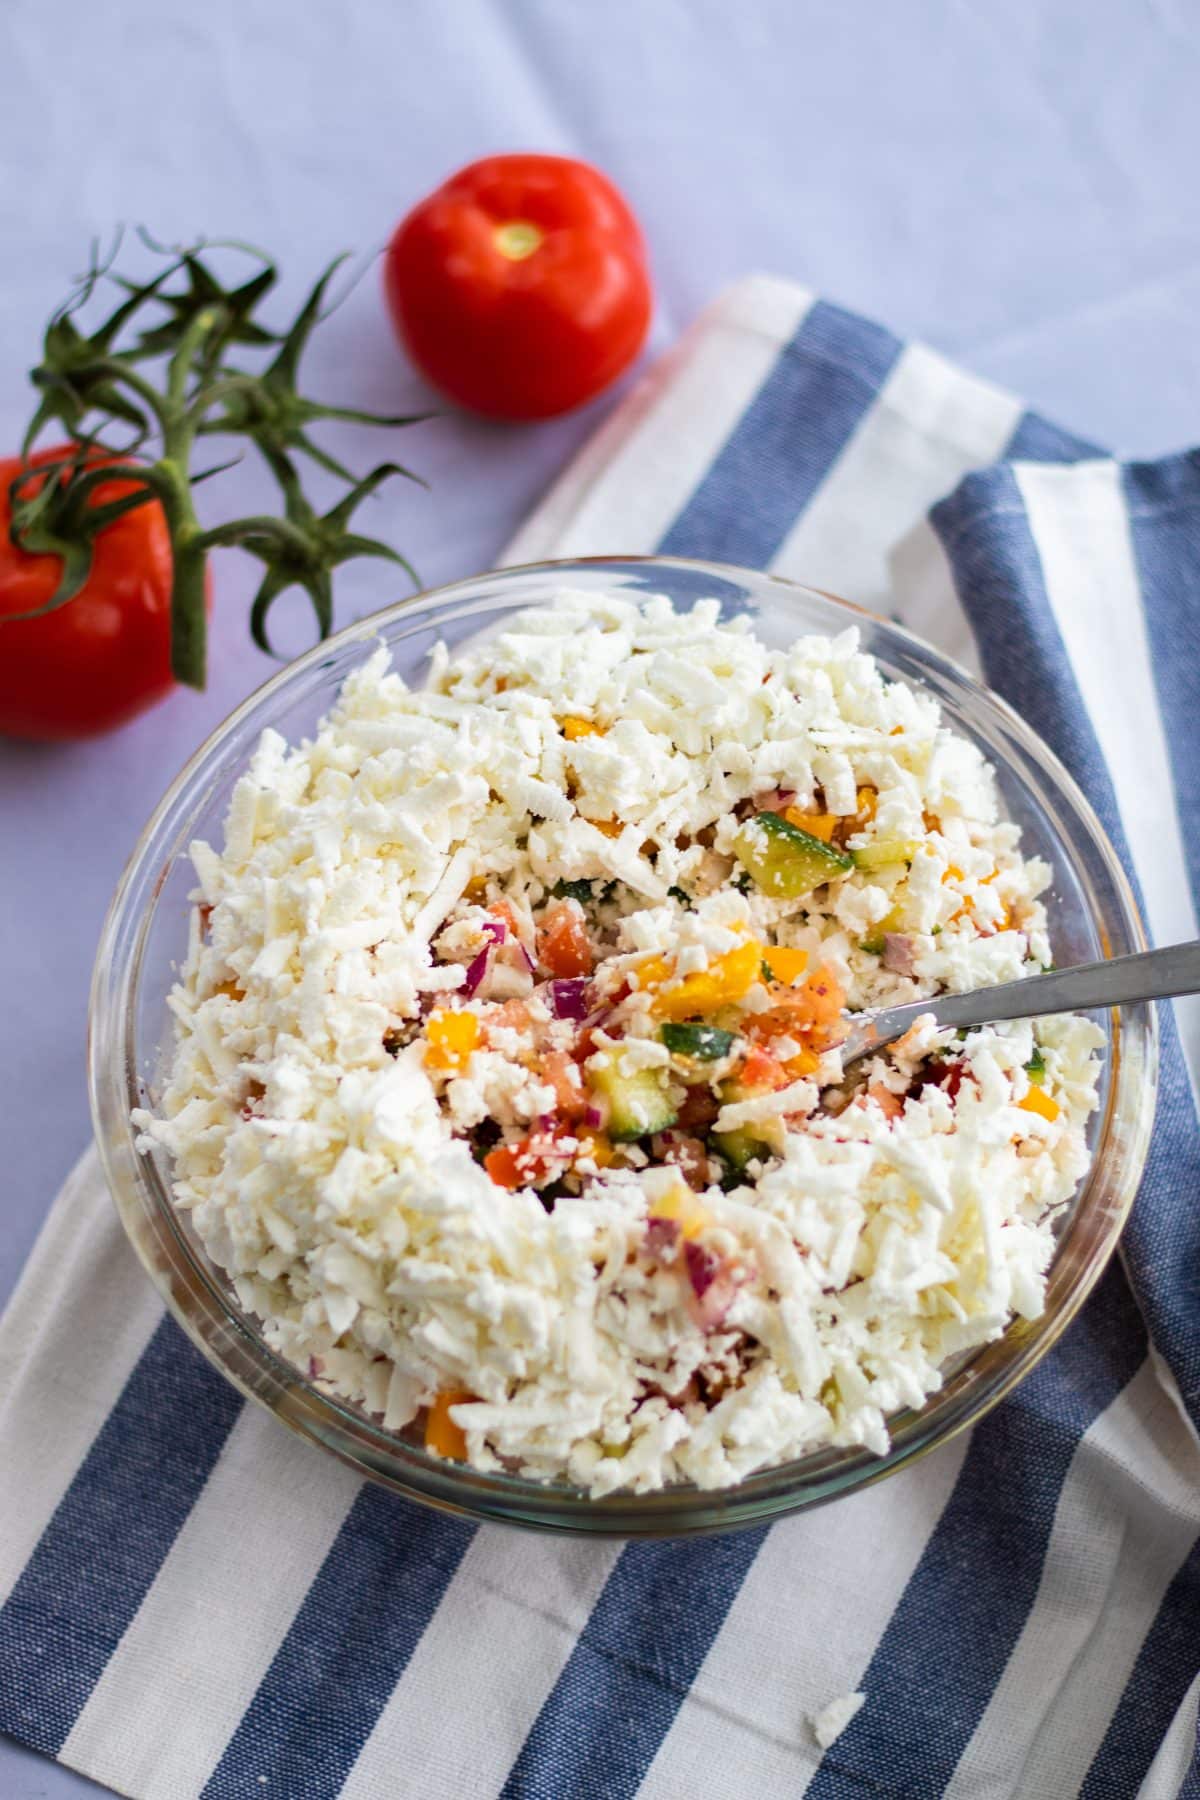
(106, 655)
(519, 287)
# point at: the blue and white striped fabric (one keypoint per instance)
(193, 1603)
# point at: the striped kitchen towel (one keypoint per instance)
(194, 1603)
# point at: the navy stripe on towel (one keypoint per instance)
(1037, 440)
(999, 578)
(345, 1650)
(630, 1671)
(109, 1535)
(936, 1667)
(822, 384)
(1164, 520)
(1166, 1667)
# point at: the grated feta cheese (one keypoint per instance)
(397, 869)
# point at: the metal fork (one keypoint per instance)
(1149, 975)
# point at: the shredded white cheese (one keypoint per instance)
(327, 1163)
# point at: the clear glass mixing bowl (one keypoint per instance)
(1092, 914)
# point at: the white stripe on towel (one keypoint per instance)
(1127, 1516)
(505, 1626)
(49, 1422)
(630, 481)
(930, 424)
(1081, 528)
(742, 1729)
(1177, 1752)
(262, 1526)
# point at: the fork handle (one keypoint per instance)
(1147, 975)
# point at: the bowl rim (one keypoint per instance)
(214, 1322)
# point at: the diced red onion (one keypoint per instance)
(569, 998)
(315, 1367)
(495, 929)
(596, 1019)
(702, 1267)
(477, 968)
(593, 1118)
(661, 1235)
(532, 965)
(899, 952)
(714, 1285)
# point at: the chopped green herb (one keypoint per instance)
(874, 946)
(708, 1042)
(677, 893)
(743, 882)
(573, 890)
(1035, 1068)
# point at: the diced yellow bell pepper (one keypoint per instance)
(450, 1038)
(725, 980)
(805, 1062)
(596, 1148)
(682, 1206)
(574, 727)
(1038, 1101)
(784, 963)
(818, 825)
(610, 827)
(865, 801)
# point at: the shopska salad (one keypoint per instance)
(507, 1087)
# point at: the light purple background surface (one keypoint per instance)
(1014, 185)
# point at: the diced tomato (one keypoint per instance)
(762, 1071)
(560, 1071)
(563, 945)
(514, 1015)
(688, 1155)
(503, 1167)
(532, 1162)
(892, 1105)
(825, 998)
(700, 1107)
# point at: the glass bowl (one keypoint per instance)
(1092, 915)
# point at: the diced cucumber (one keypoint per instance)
(885, 853)
(707, 1042)
(739, 1147)
(637, 1104)
(784, 861)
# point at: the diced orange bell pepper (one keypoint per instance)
(818, 825)
(442, 1435)
(786, 965)
(612, 828)
(1037, 1100)
(450, 1038)
(805, 1062)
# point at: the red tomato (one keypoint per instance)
(520, 286)
(106, 655)
(558, 1071)
(563, 945)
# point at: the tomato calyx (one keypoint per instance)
(518, 239)
(90, 382)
